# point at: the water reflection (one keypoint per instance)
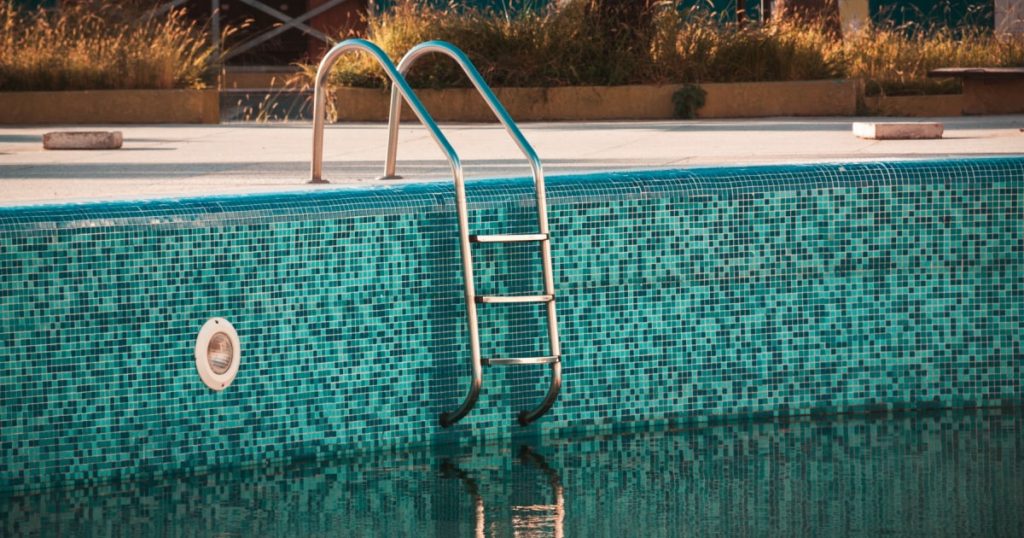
(528, 520)
(541, 519)
(913, 475)
(450, 470)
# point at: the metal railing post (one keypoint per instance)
(215, 27)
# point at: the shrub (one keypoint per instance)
(686, 101)
(99, 46)
(574, 43)
(577, 44)
(548, 47)
(710, 50)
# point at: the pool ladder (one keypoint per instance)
(401, 88)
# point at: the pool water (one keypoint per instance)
(939, 473)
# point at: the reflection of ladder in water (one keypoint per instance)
(401, 88)
(529, 518)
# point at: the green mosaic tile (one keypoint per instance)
(683, 295)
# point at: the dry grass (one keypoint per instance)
(697, 47)
(571, 45)
(99, 46)
(896, 61)
(549, 47)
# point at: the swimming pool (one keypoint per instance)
(685, 296)
(912, 474)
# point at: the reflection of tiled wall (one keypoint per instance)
(683, 295)
(950, 473)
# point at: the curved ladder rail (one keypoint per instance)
(394, 118)
(401, 86)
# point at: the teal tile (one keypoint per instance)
(684, 295)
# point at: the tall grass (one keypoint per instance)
(548, 47)
(99, 45)
(896, 61)
(571, 44)
(698, 47)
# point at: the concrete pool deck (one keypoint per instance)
(179, 160)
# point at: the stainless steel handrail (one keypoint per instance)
(400, 85)
(394, 118)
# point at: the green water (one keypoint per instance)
(931, 474)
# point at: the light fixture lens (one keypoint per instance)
(220, 353)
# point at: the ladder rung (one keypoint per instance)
(507, 238)
(524, 360)
(491, 299)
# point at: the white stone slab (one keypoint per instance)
(916, 130)
(83, 140)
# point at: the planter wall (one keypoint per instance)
(986, 96)
(755, 99)
(109, 106)
(980, 97)
(762, 99)
(915, 105)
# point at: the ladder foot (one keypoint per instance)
(446, 420)
(530, 415)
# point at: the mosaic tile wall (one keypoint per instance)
(684, 295)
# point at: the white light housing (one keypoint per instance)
(218, 353)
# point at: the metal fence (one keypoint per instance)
(255, 37)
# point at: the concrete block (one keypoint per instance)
(993, 96)
(83, 140)
(897, 130)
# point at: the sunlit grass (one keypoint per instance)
(100, 46)
(568, 45)
(97, 45)
(896, 61)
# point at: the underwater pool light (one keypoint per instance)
(218, 352)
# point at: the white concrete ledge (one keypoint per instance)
(83, 140)
(199, 160)
(898, 130)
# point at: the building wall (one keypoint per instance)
(949, 13)
(1009, 16)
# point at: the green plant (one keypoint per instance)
(709, 49)
(98, 45)
(686, 101)
(579, 43)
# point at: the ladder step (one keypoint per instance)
(493, 299)
(524, 360)
(507, 238)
